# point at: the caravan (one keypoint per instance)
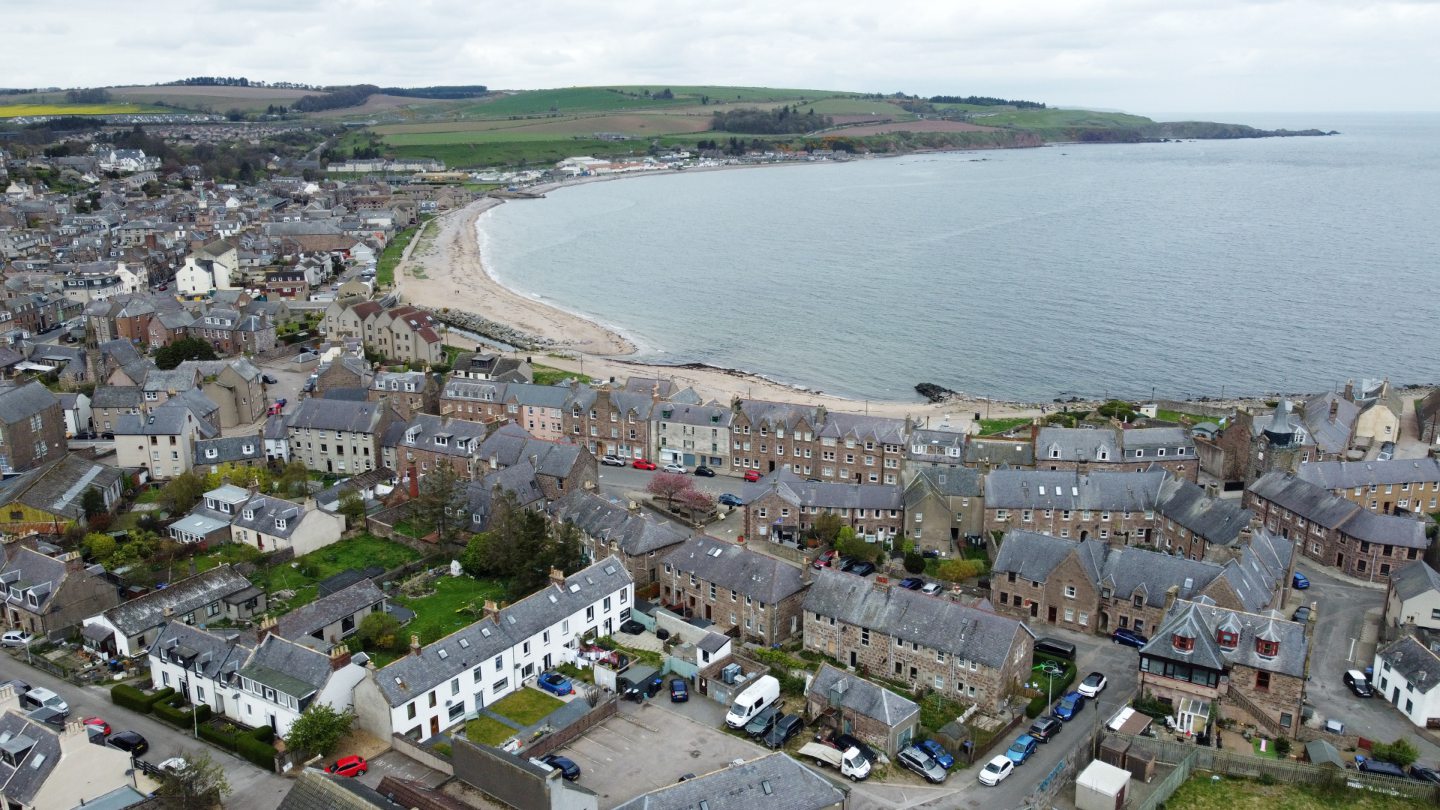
(752, 701)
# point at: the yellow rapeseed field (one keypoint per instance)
(21, 110)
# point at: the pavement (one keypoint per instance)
(251, 787)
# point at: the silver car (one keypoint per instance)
(923, 764)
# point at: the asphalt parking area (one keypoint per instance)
(648, 746)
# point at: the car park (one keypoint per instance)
(566, 765)
(1044, 728)
(760, 724)
(911, 583)
(752, 475)
(937, 752)
(1359, 683)
(727, 499)
(1021, 749)
(555, 684)
(922, 763)
(1129, 638)
(931, 588)
(352, 765)
(679, 690)
(704, 472)
(1093, 684)
(677, 469)
(16, 638)
(610, 460)
(786, 726)
(1299, 581)
(1069, 706)
(130, 742)
(642, 464)
(996, 770)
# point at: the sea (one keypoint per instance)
(1173, 270)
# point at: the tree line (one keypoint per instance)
(97, 95)
(784, 120)
(438, 91)
(987, 101)
(336, 97)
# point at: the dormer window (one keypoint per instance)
(1054, 452)
(1104, 455)
(249, 514)
(248, 449)
(1182, 643)
(211, 452)
(442, 440)
(1139, 454)
(1227, 639)
(1267, 649)
(279, 523)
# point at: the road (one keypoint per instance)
(251, 787)
(628, 484)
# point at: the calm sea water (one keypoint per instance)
(1284, 264)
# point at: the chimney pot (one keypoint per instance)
(414, 644)
(557, 577)
(339, 656)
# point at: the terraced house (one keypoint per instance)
(749, 595)
(334, 435)
(693, 434)
(425, 442)
(447, 682)
(608, 528)
(961, 652)
(1335, 531)
(1387, 487)
(32, 428)
(812, 442)
(614, 421)
(1102, 449)
(781, 507)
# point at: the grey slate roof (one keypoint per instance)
(1078, 444)
(29, 570)
(773, 782)
(59, 488)
(729, 565)
(213, 655)
(23, 402)
(264, 511)
(38, 751)
(825, 494)
(1415, 579)
(412, 675)
(862, 697)
(300, 623)
(334, 414)
(288, 667)
(1416, 663)
(1217, 520)
(144, 612)
(1335, 475)
(1331, 436)
(510, 444)
(1032, 556)
(1174, 440)
(462, 438)
(1261, 570)
(1131, 570)
(170, 419)
(1317, 505)
(1061, 489)
(1201, 620)
(968, 633)
(995, 452)
(948, 482)
(229, 449)
(1391, 530)
(706, 416)
(609, 520)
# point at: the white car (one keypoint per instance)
(1093, 684)
(931, 588)
(675, 468)
(16, 638)
(996, 770)
(174, 765)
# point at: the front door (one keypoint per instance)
(434, 726)
(772, 466)
(853, 660)
(1052, 614)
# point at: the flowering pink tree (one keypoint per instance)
(668, 486)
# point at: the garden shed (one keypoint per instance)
(1101, 787)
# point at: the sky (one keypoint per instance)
(1141, 56)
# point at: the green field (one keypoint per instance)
(510, 153)
(19, 110)
(1056, 119)
(1203, 793)
(624, 97)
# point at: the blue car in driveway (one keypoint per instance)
(1129, 638)
(937, 752)
(1069, 706)
(1021, 749)
(1300, 581)
(555, 683)
(911, 583)
(679, 691)
(726, 499)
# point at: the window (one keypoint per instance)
(1227, 639)
(1268, 649)
(1182, 643)
(1262, 681)
(1069, 591)
(865, 637)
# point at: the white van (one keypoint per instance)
(38, 698)
(750, 702)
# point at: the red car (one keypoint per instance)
(752, 475)
(642, 464)
(349, 766)
(824, 560)
(98, 723)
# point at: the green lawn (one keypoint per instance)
(936, 711)
(1176, 416)
(549, 375)
(488, 731)
(151, 495)
(385, 268)
(989, 426)
(1200, 793)
(456, 603)
(232, 553)
(1268, 753)
(526, 706)
(302, 575)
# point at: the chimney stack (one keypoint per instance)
(73, 562)
(1171, 593)
(267, 626)
(557, 578)
(492, 610)
(414, 644)
(882, 583)
(1334, 409)
(1350, 390)
(339, 656)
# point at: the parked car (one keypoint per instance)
(1425, 774)
(645, 689)
(632, 628)
(130, 742)
(18, 685)
(1093, 684)
(1359, 684)
(911, 583)
(1021, 749)
(786, 726)
(760, 724)
(567, 766)
(40, 697)
(642, 464)
(931, 588)
(704, 472)
(174, 765)
(1301, 614)
(1387, 452)
(274, 409)
(268, 380)
(922, 763)
(863, 568)
(752, 475)
(825, 560)
(610, 460)
(1044, 728)
(97, 723)
(937, 752)
(1300, 581)
(555, 683)
(107, 436)
(847, 741)
(50, 717)
(352, 765)
(677, 469)
(679, 691)
(996, 770)
(1069, 706)
(1129, 638)
(16, 638)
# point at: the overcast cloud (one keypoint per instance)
(1137, 55)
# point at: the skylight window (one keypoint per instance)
(465, 643)
(442, 653)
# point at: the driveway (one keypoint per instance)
(251, 787)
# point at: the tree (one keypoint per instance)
(1116, 409)
(441, 502)
(352, 506)
(852, 545)
(667, 486)
(957, 570)
(169, 357)
(827, 528)
(294, 479)
(99, 548)
(914, 562)
(92, 502)
(183, 492)
(318, 729)
(199, 785)
(696, 501)
(1402, 752)
(381, 632)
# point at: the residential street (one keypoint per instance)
(251, 787)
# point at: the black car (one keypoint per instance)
(845, 742)
(567, 766)
(1301, 614)
(632, 628)
(704, 472)
(268, 380)
(107, 436)
(1044, 728)
(128, 741)
(1425, 774)
(862, 568)
(761, 723)
(1359, 683)
(648, 689)
(1129, 638)
(786, 726)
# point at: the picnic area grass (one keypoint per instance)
(1179, 416)
(488, 731)
(1201, 793)
(456, 603)
(390, 257)
(526, 706)
(303, 574)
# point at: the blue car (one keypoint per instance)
(729, 500)
(912, 583)
(1069, 706)
(1129, 638)
(937, 753)
(679, 691)
(1021, 749)
(1300, 582)
(555, 684)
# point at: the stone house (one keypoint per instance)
(272, 524)
(236, 385)
(111, 402)
(622, 423)
(337, 435)
(781, 507)
(558, 467)
(47, 596)
(1334, 531)
(868, 711)
(1397, 485)
(232, 332)
(479, 365)
(473, 401)
(1253, 663)
(333, 618)
(163, 440)
(426, 441)
(409, 392)
(1381, 411)
(1113, 449)
(243, 451)
(935, 447)
(130, 628)
(951, 497)
(746, 594)
(635, 538)
(987, 454)
(540, 409)
(814, 443)
(32, 428)
(962, 652)
(1412, 597)
(344, 373)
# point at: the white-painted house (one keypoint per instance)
(1413, 597)
(447, 682)
(1407, 674)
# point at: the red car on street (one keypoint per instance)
(752, 475)
(98, 723)
(349, 766)
(642, 464)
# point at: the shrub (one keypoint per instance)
(169, 710)
(957, 570)
(258, 752)
(914, 563)
(137, 701)
(1282, 746)
(224, 739)
(1401, 752)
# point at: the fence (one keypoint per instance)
(562, 737)
(424, 756)
(1167, 786)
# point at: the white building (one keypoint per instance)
(1413, 597)
(1407, 674)
(272, 524)
(210, 268)
(447, 682)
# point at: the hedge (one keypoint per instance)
(169, 710)
(224, 739)
(129, 697)
(258, 752)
